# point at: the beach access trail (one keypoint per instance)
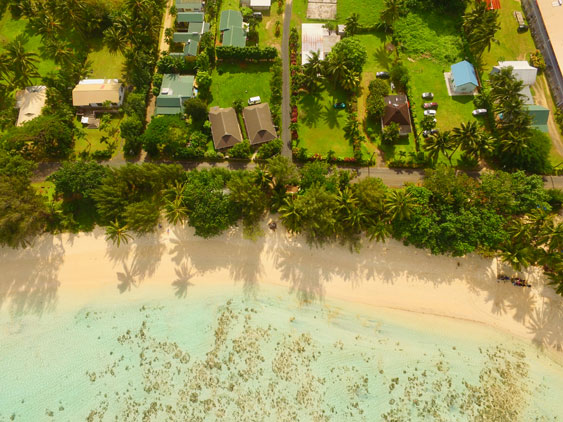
(69, 272)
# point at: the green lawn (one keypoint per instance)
(267, 29)
(47, 189)
(512, 45)
(368, 10)
(321, 126)
(427, 76)
(234, 81)
(106, 65)
(93, 140)
(10, 28)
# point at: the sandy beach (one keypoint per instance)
(67, 272)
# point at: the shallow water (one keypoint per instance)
(222, 353)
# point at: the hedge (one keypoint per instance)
(246, 53)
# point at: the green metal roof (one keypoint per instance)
(198, 27)
(188, 5)
(188, 17)
(190, 48)
(185, 37)
(175, 89)
(168, 110)
(230, 19)
(235, 37)
(540, 116)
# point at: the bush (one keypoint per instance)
(269, 149)
(196, 109)
(241, 150)
(165, 135)
(156, 83)
(399, 76)
(374, 102)
(246, 53)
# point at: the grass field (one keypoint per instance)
(368, 10)
(321, 126)
(511, 45)
(10, 28)
(106, 65)
(234, 81)
(93, 140)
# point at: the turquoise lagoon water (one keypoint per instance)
(224, 353)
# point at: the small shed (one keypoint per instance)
(521, 69)
(189, 6)
(463, 78)
(259, 5)
(540, 115)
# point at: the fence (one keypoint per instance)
(552, 69)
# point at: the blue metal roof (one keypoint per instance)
(464, 72)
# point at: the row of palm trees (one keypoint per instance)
(468, 138)
(317, 71)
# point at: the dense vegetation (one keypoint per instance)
(505, 213)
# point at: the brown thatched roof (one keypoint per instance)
(259, 126)
(397, 111)
(224, 127)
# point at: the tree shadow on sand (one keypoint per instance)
(139, 259)
(182, 283)
(29, 280)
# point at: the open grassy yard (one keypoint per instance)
(511, 45)
(106, 65)
(267, 28)
(368, 10)
(10, 28)
(321, 126)
(428, 76)
(93, 140)
(234, 81)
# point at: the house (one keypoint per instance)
(30, 101)
(189, 6)
(316, 38)
(189, 17)
(258, 122)
(231, 28)
(520, 69)
(540, 115)
(397, 111)
(257, 5)
(224, 127)
(175, 89)
(96, 93)
(463, 79)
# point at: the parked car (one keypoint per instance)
(430, 105)
(382, 75)
(339, 105)
(479, 111)
(428, 133)
(254, 100)
(429, 112)
(427, 95)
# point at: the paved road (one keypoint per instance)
(286, 94)
(394, 178)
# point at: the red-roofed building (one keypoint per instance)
(493, 4)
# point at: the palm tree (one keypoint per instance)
(518, 256)
(337, 69)
(117, 233)
(514, 144)
(350, 81)
(556, 238)
(392, 11)
(21, 63)
(61, 51)
(315, 66)
(379, 231)
(115, 40)
(352, 24)
(439, 143)
(290, 215)
(399, 204)
(175, 210)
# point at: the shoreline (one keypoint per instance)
(68, 272)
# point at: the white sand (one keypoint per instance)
(68, 272)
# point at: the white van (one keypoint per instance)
(254, 100)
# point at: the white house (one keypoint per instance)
(30, 101)
(258, 5)
(316, 38)
(520, 69)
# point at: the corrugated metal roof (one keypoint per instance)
(463, 73)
